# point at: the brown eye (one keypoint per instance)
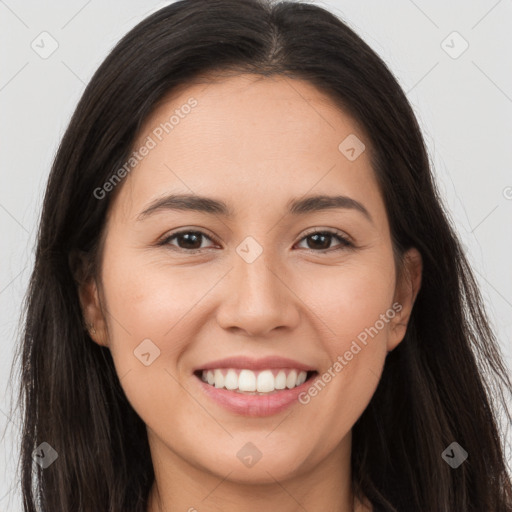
(321, 241)
(186, 240)
(318, 241)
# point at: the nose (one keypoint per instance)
(257, 300)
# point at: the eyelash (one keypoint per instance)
(344, 241)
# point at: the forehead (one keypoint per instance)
(261, 112)
(249, 137)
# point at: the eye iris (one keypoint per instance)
(190, 238)
(315, 238)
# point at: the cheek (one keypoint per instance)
(152, 320)
(152, 300)
(354, 310)
(151, 314)
(351, 299)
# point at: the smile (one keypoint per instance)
(254, 382)
(254, 387)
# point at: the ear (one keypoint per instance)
(407, 288)
(88, 294)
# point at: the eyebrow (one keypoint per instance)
(302, 206)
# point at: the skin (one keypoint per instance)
(254, 143)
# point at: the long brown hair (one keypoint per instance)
(445, 382)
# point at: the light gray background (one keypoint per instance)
(464, 106)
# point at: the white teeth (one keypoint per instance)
(231, 380)
(291, 380)
(301, 378)
(219, 379)
(265, 382)
(247, 381)
(280, 380)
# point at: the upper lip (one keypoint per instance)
(249, 363)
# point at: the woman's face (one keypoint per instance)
(261, 280)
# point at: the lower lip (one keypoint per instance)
(255, 405)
